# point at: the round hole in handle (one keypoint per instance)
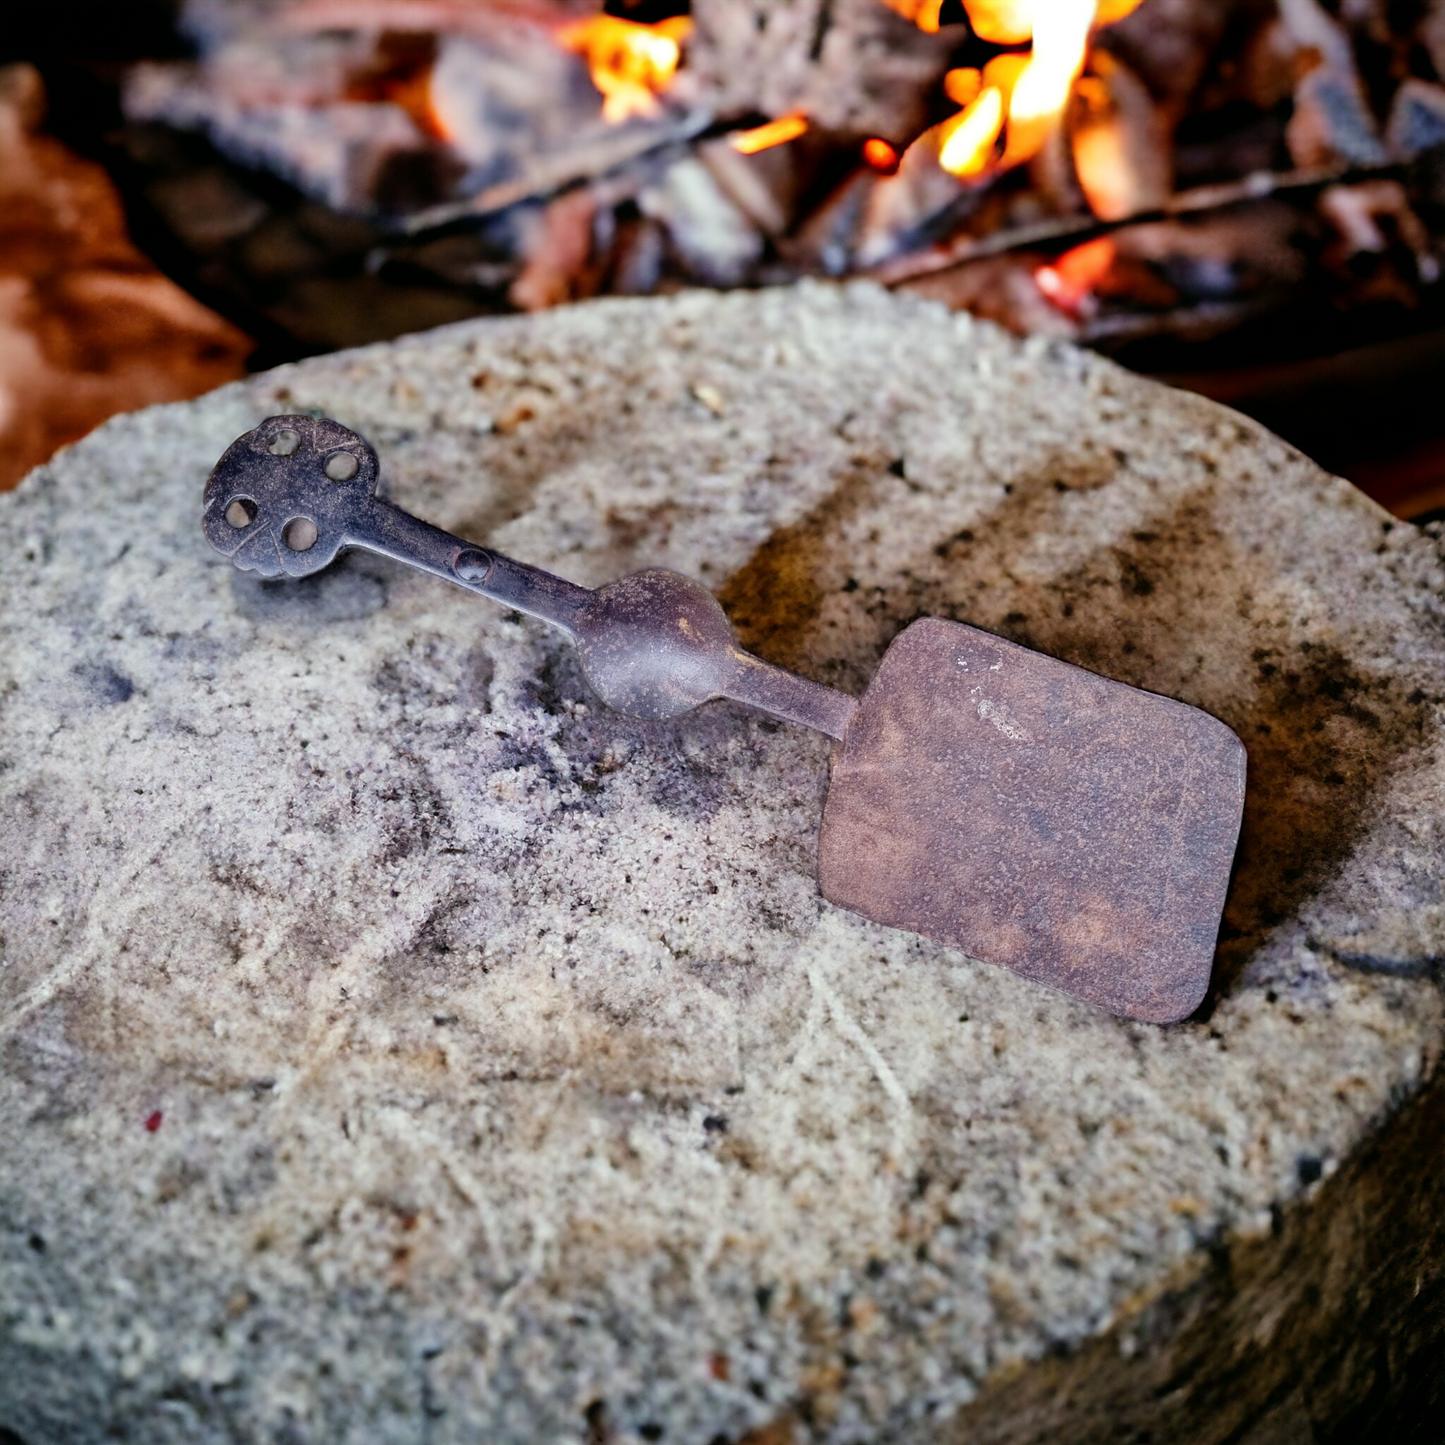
(300, 534)
(284, 443)
(240, 513)
(341, 466)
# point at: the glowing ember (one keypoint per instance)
(765, 137)
(880, 156)
(1069, 283)
(630, 64)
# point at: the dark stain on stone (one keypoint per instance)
(414, 817)
(1135, 579)
(557, 682)
(240, 1188)
(1084, 470)
(443, 932)
(61, 1073)
(1321, 739)
(475, 685)
(650, 525)
(182, 1175)
(353, 587)
(108, 686)
(598, 1431)
(775, 598)
(690, 788)
(1430, 966)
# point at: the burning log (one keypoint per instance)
(1003, 289)
(1431, 34)
(339, 154)
(852, 66)
(504, 102)
(630, 64)
(1356, 213)
(1170, 45)
(1183, 276)
(712, 234)
(478, 17)
(910, 207)
(1013, 111)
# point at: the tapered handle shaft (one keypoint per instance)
(381, 527)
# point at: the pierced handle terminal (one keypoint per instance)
(288, 497)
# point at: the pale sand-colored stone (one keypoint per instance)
(516, 1085)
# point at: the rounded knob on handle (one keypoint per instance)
(656, 644)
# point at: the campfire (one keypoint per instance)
(1020, 98)
(1107, 170)
(1189, 184)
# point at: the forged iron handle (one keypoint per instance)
(288, 497)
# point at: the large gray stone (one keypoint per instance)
(399, 1046)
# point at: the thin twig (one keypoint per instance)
(548, 175)
(1198, 201)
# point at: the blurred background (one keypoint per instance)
(1241, 197)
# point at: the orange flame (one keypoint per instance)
(630, 64)
(774, 133)
(967, 140)
(1018, 97)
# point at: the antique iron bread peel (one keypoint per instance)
(1076, 830)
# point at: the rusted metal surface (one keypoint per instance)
(1076, 830)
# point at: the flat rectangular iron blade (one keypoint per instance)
(1076, 830)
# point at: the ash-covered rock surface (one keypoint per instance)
(395, 1045)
